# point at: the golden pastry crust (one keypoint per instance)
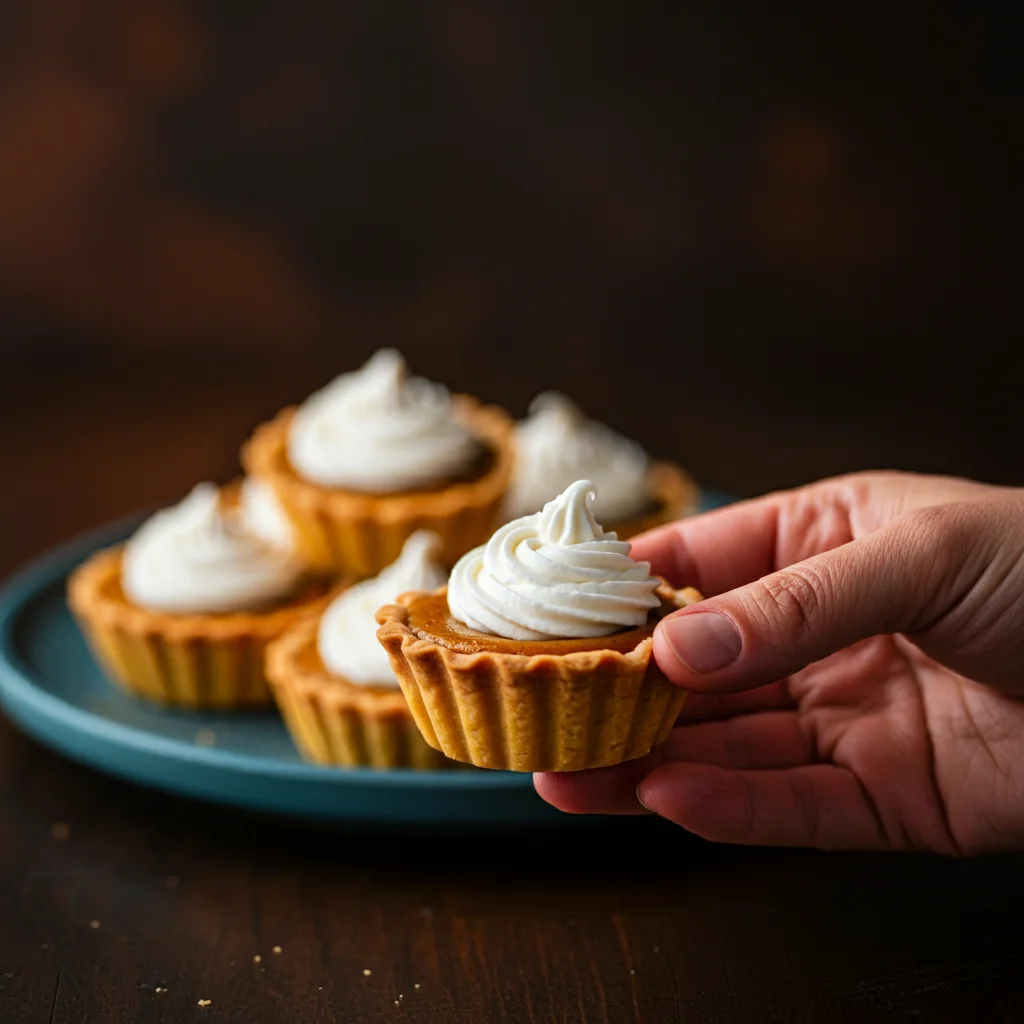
(211, 661)
(361, 533)
(674, 494)
(532, 711)
(333, 721)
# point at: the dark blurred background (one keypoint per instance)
(772, 245)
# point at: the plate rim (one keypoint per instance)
(49, 719)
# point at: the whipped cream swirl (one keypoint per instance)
(198, 558)
(557, 444)
(378, 430)
(553, 574)
(347, 636)
(263, 515)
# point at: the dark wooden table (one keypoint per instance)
(123, 906)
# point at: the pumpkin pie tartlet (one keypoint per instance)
(537, 656)
(378, 454)
(334, 684)
(182, 612)
(556, 444)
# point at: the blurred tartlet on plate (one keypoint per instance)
(378, 454)
(181, 613)
(332, 680)
(537, 656)
(557, 444)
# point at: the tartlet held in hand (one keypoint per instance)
(537, 655)
(377, 455)
(182, 612)
(332, 680)
(557, 444)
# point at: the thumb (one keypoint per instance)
(891, 581)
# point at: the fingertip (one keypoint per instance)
(610, 790)
(668, 653)
(666, 549)
(705, 800)
(651, 539)
(715, 551)
(700, 641)
(666, 659)
(557, 789)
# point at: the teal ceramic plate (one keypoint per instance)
(54, 691)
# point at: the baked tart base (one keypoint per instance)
(336, 722)
(193, 661)
(529, 706)
(360, 534)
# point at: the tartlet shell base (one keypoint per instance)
(194, 661)
(360, 534)
(335, 722)
(537, 712)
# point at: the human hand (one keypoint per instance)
(854, 673)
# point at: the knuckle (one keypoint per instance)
(867, 477)
(960, 526)
(950, 547)
(933, 527)
(862, 484)
(942, 541)
(795, 598)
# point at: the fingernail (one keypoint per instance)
(703, 641)
(641, 793)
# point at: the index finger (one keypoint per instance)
(717, 551)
